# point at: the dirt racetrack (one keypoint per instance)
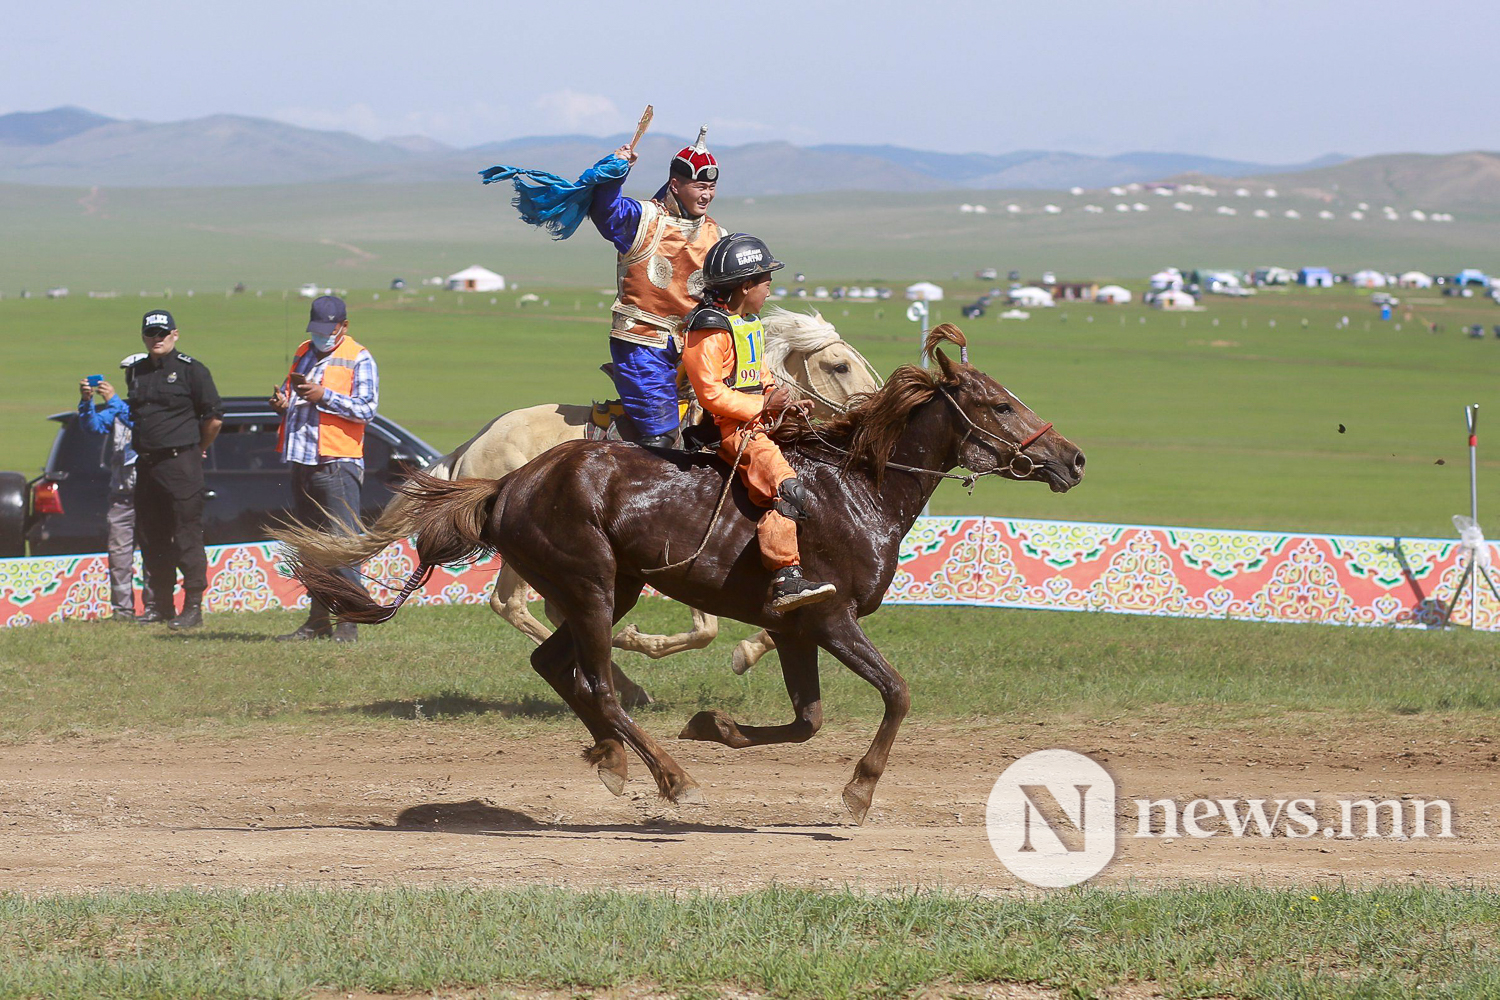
(438, 804)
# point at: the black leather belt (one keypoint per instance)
(157, 454)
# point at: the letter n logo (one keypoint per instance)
(1051, 818)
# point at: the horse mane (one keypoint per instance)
(873, 424)
(788, 331)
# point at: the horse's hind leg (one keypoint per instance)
(748, 652)
(705, 631)
(843, 637)
(508, 600)
(556, 661)
(799, 668)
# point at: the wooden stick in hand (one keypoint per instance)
(641, 127)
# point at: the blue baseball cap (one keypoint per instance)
(328, 312)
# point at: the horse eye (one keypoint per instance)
(841, 369)
(1004, 408)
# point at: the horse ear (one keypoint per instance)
(950, 371)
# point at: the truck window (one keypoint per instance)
(246, 447)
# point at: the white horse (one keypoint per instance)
(803, 351)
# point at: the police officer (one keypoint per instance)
(176, 412)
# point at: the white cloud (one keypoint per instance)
(575, 111)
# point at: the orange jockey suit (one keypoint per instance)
(725, 363)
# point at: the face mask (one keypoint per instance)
(323, 342)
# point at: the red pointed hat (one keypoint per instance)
(695, 162)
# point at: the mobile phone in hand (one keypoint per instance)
(94, 380)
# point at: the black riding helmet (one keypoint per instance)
(736, 258)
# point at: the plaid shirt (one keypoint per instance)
(301, 420)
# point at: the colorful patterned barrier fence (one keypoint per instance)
(979, 561)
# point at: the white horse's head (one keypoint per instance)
(806, 355)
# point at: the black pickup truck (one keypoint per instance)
(62, 511)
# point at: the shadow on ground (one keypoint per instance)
(450, 704)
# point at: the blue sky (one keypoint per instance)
(1264, 80)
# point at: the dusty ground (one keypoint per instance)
(440, 804)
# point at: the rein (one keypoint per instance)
(1019, 464)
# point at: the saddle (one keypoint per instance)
(608, 421)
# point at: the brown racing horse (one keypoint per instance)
(588, 523)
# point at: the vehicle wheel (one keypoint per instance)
(12, 515)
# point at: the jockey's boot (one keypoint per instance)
(790, 590)
(658, 441)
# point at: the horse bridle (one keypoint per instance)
(1020, 465)
(1015, 466)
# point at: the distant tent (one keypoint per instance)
(1162, 281)
(476, 279)
(1032, 297)
(1315, 277)
(1472, 276)
(1367, 279)
(1113, 295)
(1173, 299)
(925, 290)
(1414, 279)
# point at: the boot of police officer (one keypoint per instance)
(176, 414)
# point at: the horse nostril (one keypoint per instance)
(1078, 463)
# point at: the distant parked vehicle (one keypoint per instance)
(248, 486)
(57, 293)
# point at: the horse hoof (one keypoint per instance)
(713, 727)
(639, 698)
(741, 661)
(612, 780)
(857, 801)
(689, 794)
(609, 763)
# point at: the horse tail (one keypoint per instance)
(340, 547)
(449, 519)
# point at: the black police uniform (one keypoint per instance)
(170, 397)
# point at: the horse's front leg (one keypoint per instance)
(705, 630)
(843, 637)
(748, 652)
(799, 669)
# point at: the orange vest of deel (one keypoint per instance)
(338, 437)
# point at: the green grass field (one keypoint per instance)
(1215, 418)
(1323, 941)
(463, 666)
(363, 235)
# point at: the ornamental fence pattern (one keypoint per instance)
(973, 561)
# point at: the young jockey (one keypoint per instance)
(662, 244)
(723, 358)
